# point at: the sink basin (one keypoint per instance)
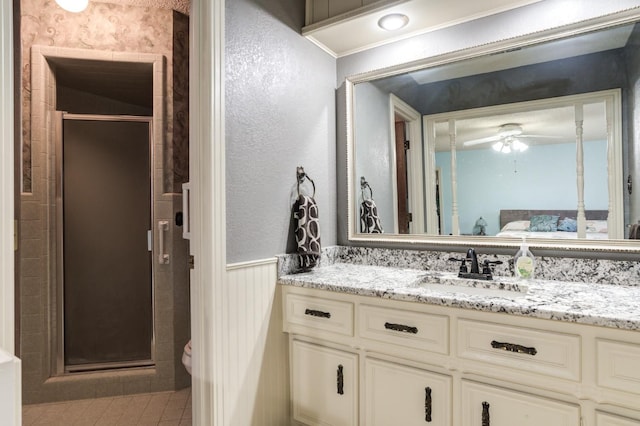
(450, 283)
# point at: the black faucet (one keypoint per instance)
(471, 255)
(474, 272)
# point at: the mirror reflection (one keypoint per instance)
(536, 141)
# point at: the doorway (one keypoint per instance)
(407, 166)
(402, 145)
(123, 87)
(104, 238)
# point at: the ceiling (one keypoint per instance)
(552, 125)
(127, 82)
(360, 31)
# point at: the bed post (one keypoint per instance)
(581, 217)
(455, 225)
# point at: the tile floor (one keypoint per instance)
(157, 409)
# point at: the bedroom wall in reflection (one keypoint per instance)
(490, 181)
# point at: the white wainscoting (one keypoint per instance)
(258, 376)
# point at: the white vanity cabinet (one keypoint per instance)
(400, 395)
(410, 363)
(324, 386)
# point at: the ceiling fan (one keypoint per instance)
(508, 138)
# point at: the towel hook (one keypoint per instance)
(301, 175)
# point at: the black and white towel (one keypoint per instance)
(305, 212)
(369, 220)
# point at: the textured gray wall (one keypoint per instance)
(280, 113)
(372, 127)
(536, 17)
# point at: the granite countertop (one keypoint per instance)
(603, 305)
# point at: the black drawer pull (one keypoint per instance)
(340, 380)
(427, 405)
(512, 347)
(486, 421)
(401, 327)
(315, 313)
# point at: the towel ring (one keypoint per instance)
(364, 185)
(301, 175)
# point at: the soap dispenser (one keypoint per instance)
(523, 262)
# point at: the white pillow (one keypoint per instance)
(516, 225)
(599, 226)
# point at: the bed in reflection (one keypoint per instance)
(560, 224)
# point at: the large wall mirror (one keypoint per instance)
(532, 137)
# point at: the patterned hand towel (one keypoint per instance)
(307, 231)
(369, 220)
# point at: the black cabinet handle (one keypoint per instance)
(427, 405)
(340, 380)
(486, 421)
(512, 347)
(315, 313)
(401, 327)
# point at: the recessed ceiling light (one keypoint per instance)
(73, 5)
(393, 22)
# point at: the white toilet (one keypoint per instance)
(186, 357)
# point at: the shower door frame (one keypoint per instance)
(60, 368)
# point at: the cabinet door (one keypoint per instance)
(324, 385)
(401, 395)
(484, 405)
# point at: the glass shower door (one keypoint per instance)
(106, 264)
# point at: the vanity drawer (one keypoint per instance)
(544, 352)
(407, 328)
(318, 313)
(618, 365)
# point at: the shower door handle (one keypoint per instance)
(186, 194)
(163, 227)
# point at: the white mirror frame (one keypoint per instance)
(448, 241)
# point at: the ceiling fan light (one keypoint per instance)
(519, 146)
(73, 5)
(393, 21)
(497, 146)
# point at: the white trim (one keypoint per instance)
(614, 166)
(7, 194)
(434, 224)
(209, 326)
(393, 165)
(7, 236)
(415, 181)
(251, 264)
(445, 241)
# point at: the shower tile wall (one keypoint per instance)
(102, 29)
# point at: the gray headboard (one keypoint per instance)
(507, 216)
